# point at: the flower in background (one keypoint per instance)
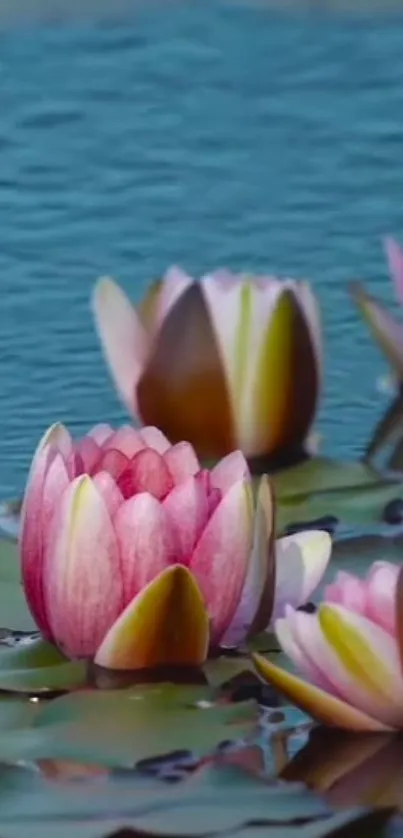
(135, 556)
(386, 330)
(230, 361)
(350, 651)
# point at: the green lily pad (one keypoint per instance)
(322, 474)
(215, 799)
(117, 728)
(14, 612)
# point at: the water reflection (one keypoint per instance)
(351, 769)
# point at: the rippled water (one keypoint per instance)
(202, 134)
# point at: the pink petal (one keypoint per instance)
(394, 255)
(221, 557)
(114, 462)
(229, 470)
(147, 543)
(126, 440)
(348, 590)
(148, 473)
(109, 491)
(83, 585)
(89, 452)
(289, 643)
(188, 509)
(47, 480)
(154, 438)
(123, 338)
(100, 433)
(181, 461)
(381, 593)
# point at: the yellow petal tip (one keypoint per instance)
(165, 625)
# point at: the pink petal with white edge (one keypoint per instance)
(258, 568)
(394, 255)
(182, 461)
(154, 438)
(381, 593)
(100, 433)
(303, 664)
(220, 560)
(301, 561)
(83, 585)
(147, 543)
(124, 340)
(126, 440)
(229, 470)
(188, 510)
(176, 281)
(47, 480)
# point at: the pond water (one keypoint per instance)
(204, 134)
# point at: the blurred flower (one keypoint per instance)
(350, 652)
(386, 330)
(133, 554)
(230, 361)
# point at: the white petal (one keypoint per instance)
(124, 340)
(301, 561)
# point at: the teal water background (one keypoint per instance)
(205, 134)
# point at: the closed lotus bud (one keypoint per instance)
(230, 361)
(134, 556)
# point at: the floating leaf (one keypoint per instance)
(117, 728)
(213, 800)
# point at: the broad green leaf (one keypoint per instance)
(214, 799)
(117, 728)
(322, 474)
(14, 613)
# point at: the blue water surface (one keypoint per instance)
(203, 134)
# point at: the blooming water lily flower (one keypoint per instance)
(385, 328)
(134, 556)
(230, 361)
(350, 651)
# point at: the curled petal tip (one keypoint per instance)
(165, 625)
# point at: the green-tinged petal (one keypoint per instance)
(165, 625)
(388, 431)
(148, 307)
(387, 331)
(183, 389)
(369, 656)
(286, 387)
(321, 706)
(256, 603)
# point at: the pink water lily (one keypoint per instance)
(134, 555)
(350, 652)
(230, 361)
(385, 328)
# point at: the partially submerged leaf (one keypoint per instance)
(38, 667)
